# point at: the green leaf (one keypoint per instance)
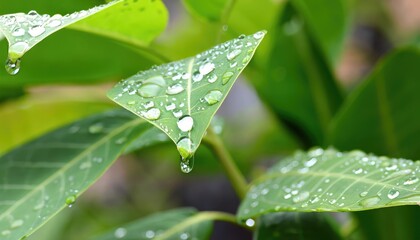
(291, 226)
(173, 224)
(333, 181)
(41, 177)
(297, 83)
(384, 110)
(23, 31)
(327, 25)
(180, 98)
(210, 10)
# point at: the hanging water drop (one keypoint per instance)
(185, 123)
(12, 67)
(226, 77)
(213, 97)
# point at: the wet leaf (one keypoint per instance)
(23, 31)
(180, 98)
(333, 181)
(43, 176)
(173, 224)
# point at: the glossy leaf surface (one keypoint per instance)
(333, 181)
(180, 98)
(169, 225)
(43, 176)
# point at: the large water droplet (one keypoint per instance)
(70, 200)
(411, 180)
(12, 67)
(393, 193)
(185, 123)
(233, 54)
(36, 31)
(175, 89)
(250, 222)
(213, 97)
(151, 114)
(206, 68)
(18, 32)
(226, 77)
(149, 90)
(369, 202)
(120, 232)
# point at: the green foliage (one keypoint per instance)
(294, 72)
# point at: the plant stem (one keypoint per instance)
(236, 178)
(198, 218)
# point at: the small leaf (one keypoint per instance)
(23, 31)
(333, 181)
(41, 177)
(164, 226)
(181, 97)
(299, 226)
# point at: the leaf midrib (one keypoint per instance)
(61, 171)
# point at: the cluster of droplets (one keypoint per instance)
(355, 173)
(123, 233)
(25, 30)
(176, 90)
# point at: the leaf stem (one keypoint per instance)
(199, 217)
(236, 178)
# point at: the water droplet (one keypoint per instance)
(301, 197)
(311, 162)
(96, 128)
(36, 31)
(185, 123)
(250, 222)
(369, 202)
(292, 27)
(175, 89)
(226, 77)
(233, 54)
(12, 67)
(18, 32)
(259, 35)
(196, 77)
(149, 90)
(131, 102)
(206, 68)
(151, 114)
(393, 193)
(170, 107)
(187, 164)
(212, 78)
(6, 232)
(150, 234)
(314, 199)
(16, 223)
(39, 206)
(411, 180)
(120, 232)
(121, 140)
(363, 194)
(184, 236)
(149, 104)
(177, 114)
(358, 171)
(70, 200)
(17, 50)
(213, 97)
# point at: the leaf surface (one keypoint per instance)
(180, 98)
(210, 10)
(41, 177)
(333, 181)
(169, 225)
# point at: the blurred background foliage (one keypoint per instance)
(309, 84)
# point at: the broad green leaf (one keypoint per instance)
(296, 226)
(180, 98)
(174, 224)
(210, 10)
(38, 113)
(297, 82)
(333, 181)
(384, 110)
(327, 25)
(23, 31)
(41, 177)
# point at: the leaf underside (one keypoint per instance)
(181, 97)
(328, 181)
(39, 178)
(157, 226)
